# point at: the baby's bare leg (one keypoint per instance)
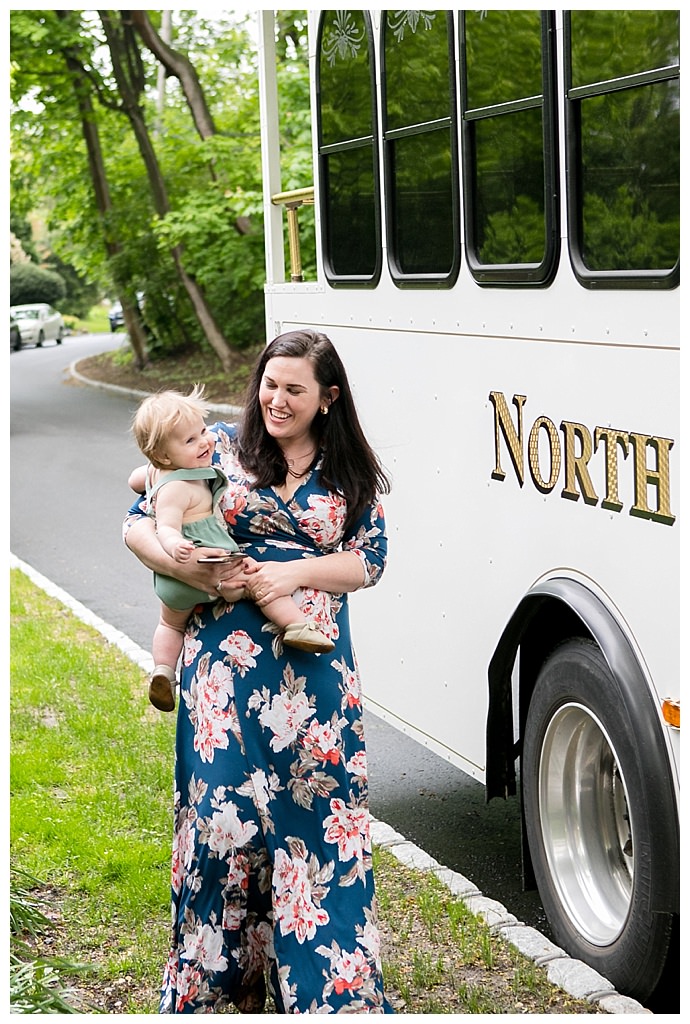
(169, 635)
(298, 630)
(168, 639)
(283, 611)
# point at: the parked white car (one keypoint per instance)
(15, 335)
(38, 322)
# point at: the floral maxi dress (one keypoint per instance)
(272, 866)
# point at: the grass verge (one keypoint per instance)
(90, 820)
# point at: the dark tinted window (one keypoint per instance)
(508, 127)
(347, 147)
(624, 144)
(420, 151)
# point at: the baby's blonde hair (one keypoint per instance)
(159, 414)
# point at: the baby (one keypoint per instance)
(182, 489)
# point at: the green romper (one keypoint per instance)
(208, 533)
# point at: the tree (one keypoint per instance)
(209, 163)
(127, 69)
(82, 86)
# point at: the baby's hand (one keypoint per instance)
(182, 550)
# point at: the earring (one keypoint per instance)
(324, 410)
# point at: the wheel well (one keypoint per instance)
(554, 623)
(553, 611)
(539, 624)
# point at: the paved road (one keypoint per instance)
(70, 457)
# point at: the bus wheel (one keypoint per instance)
(594, 825)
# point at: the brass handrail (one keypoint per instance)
(292, 201)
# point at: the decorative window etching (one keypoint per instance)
(342, 39)
(398, 21)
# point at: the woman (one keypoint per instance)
(272, 857)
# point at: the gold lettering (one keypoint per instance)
(513, 437)
(660, 478)
(576, 452)
(555, 453)
(611, 438)
(576, 465)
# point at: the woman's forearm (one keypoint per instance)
(141, 539)
(339, 573)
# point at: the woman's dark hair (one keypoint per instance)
(349, 463)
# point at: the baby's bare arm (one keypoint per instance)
(137, 479)
(174, 503)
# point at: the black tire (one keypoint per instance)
(599, 820)
(39, 343)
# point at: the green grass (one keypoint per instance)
(90, 835)
(95, 323)
(91, 774)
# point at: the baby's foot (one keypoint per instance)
(162, 682)
(306, 637)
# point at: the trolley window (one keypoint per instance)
(509, 147)
(420, 146)
(623, 132)
(348, 160)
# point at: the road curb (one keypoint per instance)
(225, 410)
(573, 976)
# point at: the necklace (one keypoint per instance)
(298, 458)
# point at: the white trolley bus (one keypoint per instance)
(496, 207)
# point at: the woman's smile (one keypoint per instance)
(290, 397)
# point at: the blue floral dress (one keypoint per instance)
(272, 863)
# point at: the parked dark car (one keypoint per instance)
(116, 316)
(15, 335)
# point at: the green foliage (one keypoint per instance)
(94, 322)
(29, 283)
(515, 235)
(213, 186)
(25, 913)
(36, 983)
(80, 295)
(37, 986)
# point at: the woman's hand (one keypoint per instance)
(339, 573)
(265, 581)
(142, 540)
(227, 576)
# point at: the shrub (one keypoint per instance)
(29, 283)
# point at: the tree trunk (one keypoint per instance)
(127, 70)
(89, 127)
(177, 65)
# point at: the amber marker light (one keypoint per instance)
(670, 709)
